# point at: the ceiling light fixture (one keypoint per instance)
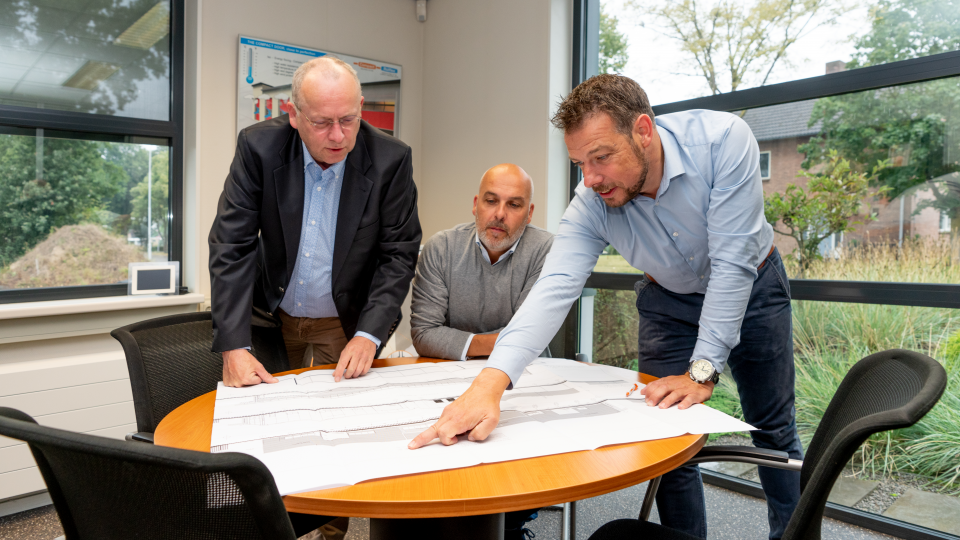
(90, 75)
(148, 29)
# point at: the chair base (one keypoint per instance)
(485, 527)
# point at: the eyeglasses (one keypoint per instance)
(346, 123)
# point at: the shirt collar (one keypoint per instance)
(486, 256)
(672, 159)
(337, 167)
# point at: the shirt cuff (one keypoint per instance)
(467, 347)
(510, 362)
(368, 336)
(716, 354)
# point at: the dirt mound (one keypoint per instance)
(73, 255)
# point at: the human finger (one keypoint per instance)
(447, 433)
(671, 399)
(367, 363)
(654, 392)
(483, 429)
(422, 439)
(351, 368)
(689, 401)
(265, 375)
(341, 366)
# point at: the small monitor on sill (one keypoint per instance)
(153, 278)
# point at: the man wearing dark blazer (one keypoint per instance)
(317, 227)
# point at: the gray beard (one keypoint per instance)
(501, 245)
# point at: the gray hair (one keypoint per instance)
(331, 66)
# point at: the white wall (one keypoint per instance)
(385, 30)
(480, 81)
(492, 73)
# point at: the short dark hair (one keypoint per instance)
(618, 96)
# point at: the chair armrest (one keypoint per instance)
(141, 436)
(746, 454)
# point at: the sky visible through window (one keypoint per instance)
(667, 73)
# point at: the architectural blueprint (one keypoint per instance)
(314, 433)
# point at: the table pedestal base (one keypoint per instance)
(486, 527)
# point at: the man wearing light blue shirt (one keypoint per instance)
(311, 326)
(681, 199)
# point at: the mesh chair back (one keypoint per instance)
(105, 489)
(888, 390)
(170, 361)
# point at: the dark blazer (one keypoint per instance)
(256, 235)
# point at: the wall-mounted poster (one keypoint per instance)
(266, 70)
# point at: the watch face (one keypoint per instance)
(702, 370)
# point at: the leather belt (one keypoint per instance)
(773, 247)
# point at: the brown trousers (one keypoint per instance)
(312, 342)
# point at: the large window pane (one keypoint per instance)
(98, 56)
(76, 212)
(684, 50)
(865, 186)
(829, 338)
(917, 464)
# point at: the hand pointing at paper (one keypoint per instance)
(476, 412)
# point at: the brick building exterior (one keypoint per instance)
(780, 130)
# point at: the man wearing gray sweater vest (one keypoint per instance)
(472, 278)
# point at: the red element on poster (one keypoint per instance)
(379, 119)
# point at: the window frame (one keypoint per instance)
(939, 295)
(171, 130)
(769, 166)
(916, 70)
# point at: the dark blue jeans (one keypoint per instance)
(761, 365)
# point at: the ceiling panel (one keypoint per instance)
(12, 56)
(89, 49)
(6, 85)
(12, 71)
(57, 93)
(43, 76)
(30, 41)
(56, 62)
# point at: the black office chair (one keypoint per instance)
(107, 489)
(888, 390)
(170, 363)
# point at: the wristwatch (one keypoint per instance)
(702, 371)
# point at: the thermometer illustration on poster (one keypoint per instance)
(266, 70)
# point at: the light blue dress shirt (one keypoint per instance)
(310, 293)
(705, 232)
(486, 257)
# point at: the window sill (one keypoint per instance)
(95, 305)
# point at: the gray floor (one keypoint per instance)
(730, 516)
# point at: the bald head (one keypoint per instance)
(508, 175)
(503, 207)
(323, 74)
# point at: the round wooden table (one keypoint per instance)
(484, 491)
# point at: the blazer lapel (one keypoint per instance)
(353, 200)
(288, 181)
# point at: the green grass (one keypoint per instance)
(830, 337)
